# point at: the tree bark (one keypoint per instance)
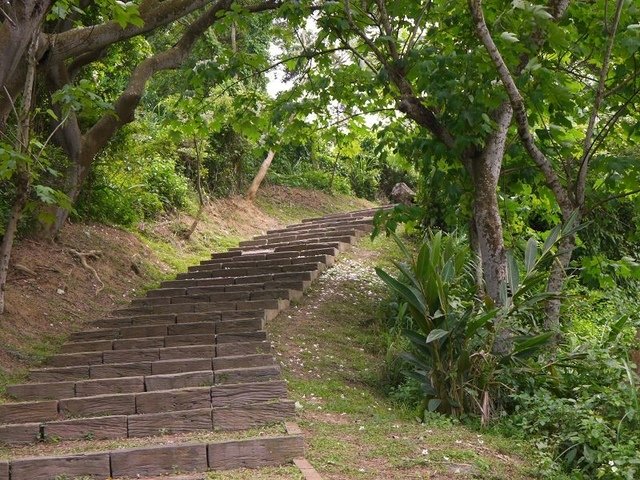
(21, 20)
(262, 172)
(22, 176)
(485, 171)
(196, 220)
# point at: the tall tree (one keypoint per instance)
(578, 90)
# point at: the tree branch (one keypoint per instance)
(581, 181)
(519, 111)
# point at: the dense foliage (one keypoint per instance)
(515, 122)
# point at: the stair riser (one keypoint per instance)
(134, 363)
(190, 420)
(287, 256)
(195, 295)
(279, 263)
(155, 401)
(305, 244)
(172, 340)
(204, 327)
(165, 460)
(311, 237)
(250, 271)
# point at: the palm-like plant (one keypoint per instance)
(453, 335)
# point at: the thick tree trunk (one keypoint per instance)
(262, 172)
(83, 147)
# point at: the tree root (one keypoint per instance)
(83, 256)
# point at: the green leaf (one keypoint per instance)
(436, 334)
(408, 294)
(513, 273)
(530, 255)
(509, 37)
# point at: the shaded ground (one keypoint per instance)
(332, 350)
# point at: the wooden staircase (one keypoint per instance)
(141, 392)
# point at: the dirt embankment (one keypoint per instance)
(50, 293)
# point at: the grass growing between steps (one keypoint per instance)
(333, 347)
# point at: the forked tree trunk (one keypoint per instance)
(262, 172)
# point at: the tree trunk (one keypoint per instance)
(22, 195)
(200, 195)
(262, 172)
(21, 22)
(485, 172)
(22, 175)
(475, 249)
(555, 283)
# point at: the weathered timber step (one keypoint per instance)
(290, 280)
(260, 256)
(362, 228)
(284, 262)
(138, 362)
(171, 318)
(363, 224)
(311, 237)
(195, 294)
(175, 340)
(272, 278)
(199, 294)
(221, 284)
(162, 375)
(158, 460)
(139, 402)
(165, 329)
(366, 212)
(251, 271)
(217, 306)
(344, 240)
(163, 414)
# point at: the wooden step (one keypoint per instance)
(278, 262)
(339, 239)
(139, 402)
(164, 374)
(255, 256)
(304, 236)
(133, 363)
(183, 328)
(158, 459)
(208, 294)
(137, 319)
(205, 307)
